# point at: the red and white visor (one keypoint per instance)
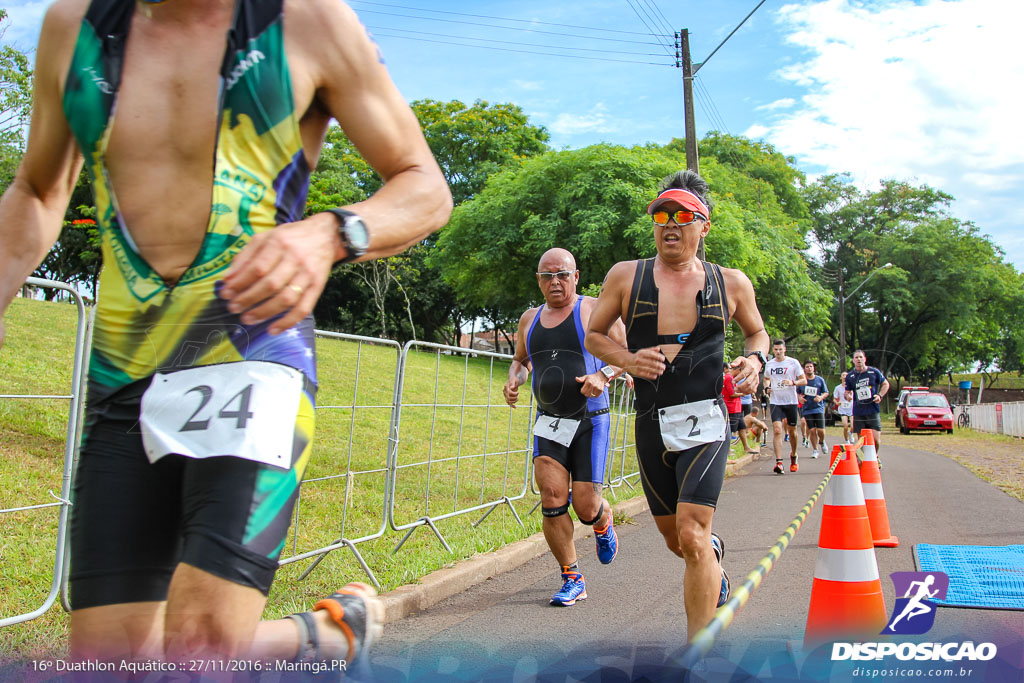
(684, 198)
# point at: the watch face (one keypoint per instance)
(356, 233)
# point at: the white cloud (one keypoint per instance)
(756, 132)
(923, 91)
(528, 85)
(784, 103)
(595, 121)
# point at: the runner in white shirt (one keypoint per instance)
(844, 408)
(783, 375)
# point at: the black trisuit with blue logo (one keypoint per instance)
(694, 475)
(558, 357)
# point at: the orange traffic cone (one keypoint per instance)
(846, 597)
(874, 498)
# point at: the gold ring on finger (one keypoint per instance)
(296, 288)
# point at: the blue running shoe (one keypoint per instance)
(607, 542)
(718, 545)
(573, 588)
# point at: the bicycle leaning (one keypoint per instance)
(963, 420)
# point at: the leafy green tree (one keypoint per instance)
(15, 105)
(592, 201)
(941, 306)
(470, 143)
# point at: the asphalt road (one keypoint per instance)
(632, 626)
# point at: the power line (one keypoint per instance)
(668, 23)
(511, 42)
(707, 93)
(657, 17)
(483, 16)
(529, 52)
(696, 67)
(644, 22)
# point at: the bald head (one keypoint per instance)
(556, 259)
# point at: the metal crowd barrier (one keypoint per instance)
(997, 418)
(351, 459)
(473, 433)
(62, 501)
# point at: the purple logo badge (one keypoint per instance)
(914, 612)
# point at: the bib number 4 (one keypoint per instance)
(245, 409)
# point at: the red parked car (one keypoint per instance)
(921, 410)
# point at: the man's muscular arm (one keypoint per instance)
(32, 209)
(287, 268)
(519, 371)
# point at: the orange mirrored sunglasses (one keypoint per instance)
(681, 217)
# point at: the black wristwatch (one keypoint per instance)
(353, 233)
(760, 357)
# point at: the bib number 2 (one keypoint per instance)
(246, 409)
(691, 424)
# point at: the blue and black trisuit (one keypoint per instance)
(558, 357)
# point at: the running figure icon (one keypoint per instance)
(916, 605)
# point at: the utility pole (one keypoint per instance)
(683, 61)
(692, 161)
(842, 323)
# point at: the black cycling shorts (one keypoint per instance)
(815, 420)
(787, 413)
(585, 458)
(133, 521)
(746, 409)
(669, 477)
(872, 421)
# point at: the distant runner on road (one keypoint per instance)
(782, 375)
(865, 386)
(815, 393)
(844, 408)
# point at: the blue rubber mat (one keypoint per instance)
(983, 576)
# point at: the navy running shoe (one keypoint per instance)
(607, 542)
(718, 545)
(573, 588)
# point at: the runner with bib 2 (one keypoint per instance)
(676, 308)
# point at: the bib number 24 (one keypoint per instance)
(246, 410)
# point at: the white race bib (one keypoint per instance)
(691, 424)
(558, 429)
(245, 409)
(810, 392)
(863, 393)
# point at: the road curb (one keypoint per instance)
(444, 583)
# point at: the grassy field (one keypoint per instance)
(459, 447)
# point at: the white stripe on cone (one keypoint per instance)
(873, 491)
(844, 489)
(869, 453)
(846, 565)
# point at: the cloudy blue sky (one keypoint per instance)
(925, 91)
